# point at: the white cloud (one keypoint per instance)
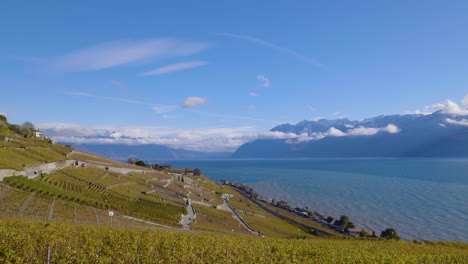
(336, 113)
(287, 51)
(465, 101)
(200, 139)
(442, 125)
(118, 53)
(392, 129)
(194, 101)
(462, 122)
(369, 131)
(265, 81)
(348, 126)
(253, 94)
(448, 107)
(310, 108)
(176, 67)
(317, 118)
(55, 129)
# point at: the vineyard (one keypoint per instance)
(98, 188)
(63, 217)
(34, 242)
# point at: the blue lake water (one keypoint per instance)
(421, 198)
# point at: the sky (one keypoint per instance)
(211, 75)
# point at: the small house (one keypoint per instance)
(38, 134)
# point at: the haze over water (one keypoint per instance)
(423, 199)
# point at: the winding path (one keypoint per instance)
(227, 206)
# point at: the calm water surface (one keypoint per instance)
(420, 198)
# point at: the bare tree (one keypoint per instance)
(132, 159)
(29, 125)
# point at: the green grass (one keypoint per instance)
(212, 219)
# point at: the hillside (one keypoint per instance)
(435, 135)
(69, 206)
(42, 180)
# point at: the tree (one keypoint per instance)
(197, 172)
(364, 233)
(132, 160)
(344, 221)
(390, 233)
(3, 119)
(29, 125)
(140, 163)
(27, 129)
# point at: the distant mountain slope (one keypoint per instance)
(145, 152)
(435, 135)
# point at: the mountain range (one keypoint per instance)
(435, 135)
(439, 134)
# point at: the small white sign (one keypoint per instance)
(111, 213)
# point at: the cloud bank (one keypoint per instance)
(447, 107)
(200, 139)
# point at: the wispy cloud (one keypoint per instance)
(264, 80)
(119, 85)
(336, 113)
(284, 50)
(249, 107)
(118, 53)
(117, 99)
(312, 109)
(181, 66)
(253, 94)
(465, 101)
(164, 109)
(160, 109)
(194, 101)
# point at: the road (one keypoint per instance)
(228, 207)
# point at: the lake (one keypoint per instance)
(423, 199)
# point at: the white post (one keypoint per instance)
(111, 213)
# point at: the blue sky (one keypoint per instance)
(180, 72)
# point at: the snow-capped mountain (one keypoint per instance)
(434, 135)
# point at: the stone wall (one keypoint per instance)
(7, 173)
(33, 171)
